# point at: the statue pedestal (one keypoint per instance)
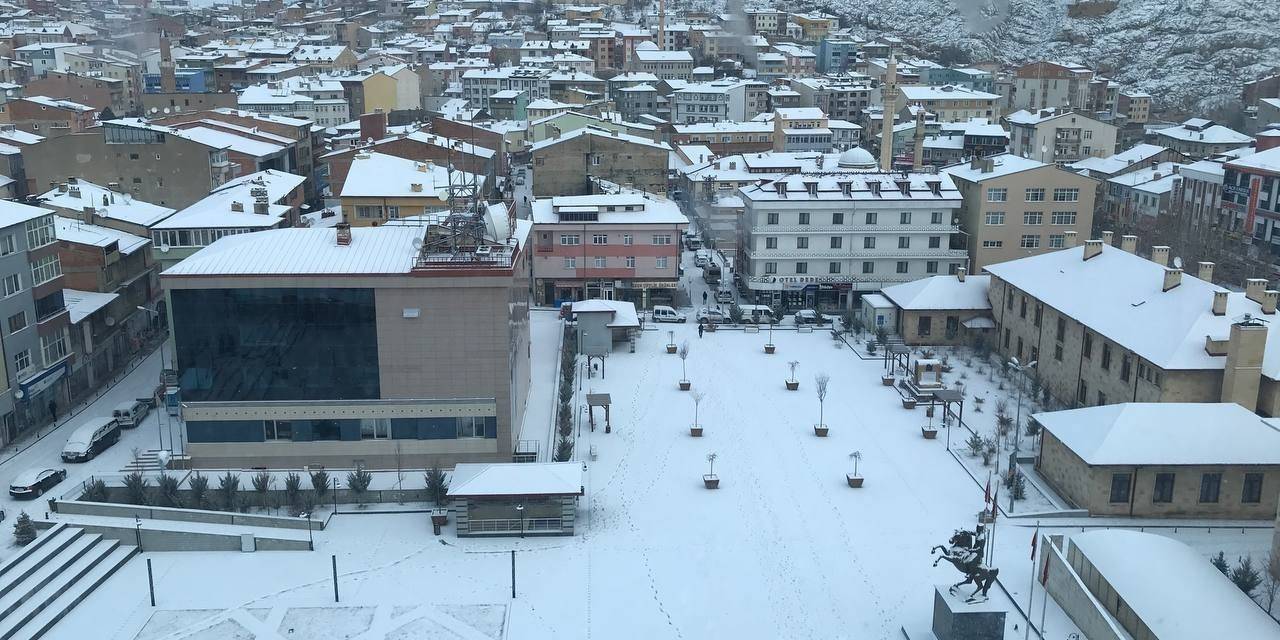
(954, 619)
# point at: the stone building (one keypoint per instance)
(941, 310)
(566, 165)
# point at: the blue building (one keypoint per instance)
(185, 81)
(838, 54)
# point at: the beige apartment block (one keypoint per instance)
(1016, 207)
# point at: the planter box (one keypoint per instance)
(685, 384)
(671, 348)
(792, 385)
(695, 430)
(929, 433)
(820, 430)
(854, 481)
(928, 411)
(711, 481)
(886, 380)
(908, 403)
(439, 517)
(768, 348)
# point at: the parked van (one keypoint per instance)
(130, 414)
(702, 258)
(663, 313)
(90, 439)
(756, 313)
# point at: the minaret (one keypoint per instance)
(662, 25)
(889, 98)
(917, 157)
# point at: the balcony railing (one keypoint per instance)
(516, 525)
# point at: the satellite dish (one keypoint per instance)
(1044, 149)
(111, 322)
(417, 244)
(1177, 262)
(19, 394)
(164, 248)
(166, 109)
(154, 110)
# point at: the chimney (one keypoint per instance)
(344, 233)
(1160, 255)
(1253, 288)
(1219, 303)
(261, 207)
(1205, 271)
(373, 125)
(1269, 298)
(1242, 374)
(1268, 140)
(89, 213)
(960, 273)
(1092, 248)
(1108, 238)
(1069, 239)
(168, 79)
(1172, 278)
(1129, 243)
(237, 206)
(415, 187)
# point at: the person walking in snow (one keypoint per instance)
(699, 329)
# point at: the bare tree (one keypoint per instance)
(697, 400)
(684, 357)
(820, 382)
(1270, 587)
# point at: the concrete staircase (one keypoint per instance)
(52, 575)
(148, 460)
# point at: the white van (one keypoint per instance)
(756, 313)
(90, 439)
(663, 313)
(130, 414)
(702, 258)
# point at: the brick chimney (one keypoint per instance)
(1069, 239)
(961, 273)
(168, 79)
(373, 125)
(1092, 248)
(1219, 303)
(1242, 374)
(1160, 255)
(1269, 139)
(344, 233)
(1129, 243)
(1253, 288)
(1108, 237)
(1172, 278)
(1269, 298)
(1205, 271)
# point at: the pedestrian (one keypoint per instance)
(699, 329)
(53, 410)
(704, 297)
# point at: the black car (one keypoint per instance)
(34, 482)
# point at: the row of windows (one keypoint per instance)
(868, 266)
(837, 242)
(1163, 485)
(1033, 218)
(40, 232)
(45, 269)
(191, 237)
(574, 239)
(1001, 194)
(602, 262)
(870, 217)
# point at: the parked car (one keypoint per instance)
(756, 314)
(663, 313)
(131, 413)
(724, 295)
(34, 482)
(809, 316)
(90, 439)
(707, 315)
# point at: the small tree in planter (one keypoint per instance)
(929, 431)
(229, 488)
(854, 479)
(671, 342)
(438, 493)
(975, 444)
(262, 482)
(199, 486)
(95, 491)
(792, 382)
(990, 445)
(871, 347)
(24, 531)
(293, 493)
(710, 480)
(136, 485)
(168, 486)
(358, 481)
(882, 336)
(684, 359)
(769, 346)
(695, 429)
(320, 484)
(820, 383)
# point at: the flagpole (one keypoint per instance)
(995, 507)
(1044, 605)
(1031, 589)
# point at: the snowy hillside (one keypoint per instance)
(1184, 52)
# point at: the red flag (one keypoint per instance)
(986, 494)
(995, 503)
(1035, 537)
(1044, 575)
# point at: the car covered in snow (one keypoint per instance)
(809, 316)
(34, 482)
(707, 315)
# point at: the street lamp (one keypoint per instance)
(1020, 369)
(520, 510)
(137, 530)
(311, 543)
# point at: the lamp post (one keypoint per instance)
(159, 426)
(137, 531)
(1019, 368)
(311, 543)
(520, 510)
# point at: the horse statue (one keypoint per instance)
(966, 553)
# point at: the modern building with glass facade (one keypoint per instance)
(344, 347)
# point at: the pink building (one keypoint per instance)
(616, 247)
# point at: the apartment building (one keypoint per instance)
(47, 116)
(727, 99)
(1201, 138)
(1134, 106)
(380, 187)
(951, 103)
(1044, 85)
(566, 165)
(663, 64)
(810, 241)
(615, 247)
(840, 98)
(1059, 136)
(1017, 207)
(1250, 195)
(479, 84)
(344, 370)
(323, 102)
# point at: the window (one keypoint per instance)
(931, 266)
(1033, 217)
(802, 267)
(600, 262)
(1057, 241)
(1057, 352)
(1062, 217)
(1030, 241)
(1039, 315)
(836, 242)
(869, 242)
(995, 218)
(770, 242)
(802, 242)
(804, 217)
(924, 325)
(54, 347)
(904, 217)
(997, 194)
(833, 267)
(375, 428)
(904, 242)
(868, 266)
(630, 262)
(772, 218)
(935, 217)
(935, 242)
(1022, 307)
(40, 232)
(45, 269)
(1120, 483)
(595, 159)
(1082, 393)
(1251, 492)
(277, 429)
(902, 266)
(393, 212)
(7, 245)
(660, 263)
(570, 239)
(12, 284)
(600, 238)
(363, 211)
(627, 240)
(1210, 487)
(770, 267)
(22, 361)
(1066, 195)
(471, 427)
(1163, 490)
(837, 218)
(1102, 398)
(18, 322)
(872, 217)
(1035, 195)
(1088, 344)
(662, 239)
(571, 263)
(1125, 363)
(1006, 338)
(992, 244)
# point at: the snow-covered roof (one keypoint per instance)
(663, 56)
(1145, 175)
(215, 211)
(382, 175)
(1166, 433)
(82, 304)
(621, 312)
(223, 139)
(12, 213)
(1171, 587)
(1268, 160)
(511, 479)
(45, 101)
(1002, 165)
(644, 210)
(1114, 164)
(119, 206)
(876, 187)
(1203, 131)
(941, 293)
(599, 133)
(385, 249)
(944, 92)
(72, 230)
